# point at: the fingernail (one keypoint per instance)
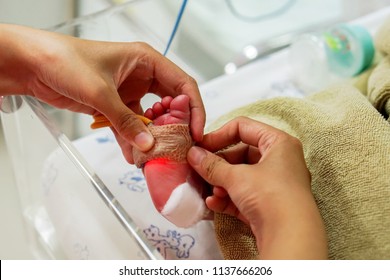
(196, 155)
(144, 141)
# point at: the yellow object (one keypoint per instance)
(101, 121)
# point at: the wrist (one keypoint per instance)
(14, 65)
(294, 222)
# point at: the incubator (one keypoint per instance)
(80, 199)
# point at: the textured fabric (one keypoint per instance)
(235, 238)
(346, 143)
(172, 142)
(378, 89)
(379, 86)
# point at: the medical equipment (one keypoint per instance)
(175, 27)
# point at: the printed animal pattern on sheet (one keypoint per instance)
(134, 180)
(179, 244)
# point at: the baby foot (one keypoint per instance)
(176, 190)
(170, 111)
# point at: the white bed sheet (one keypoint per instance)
(93, 236)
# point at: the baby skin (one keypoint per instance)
(177, 191)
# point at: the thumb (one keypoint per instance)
(127, 124)
(131, 128)
(210, 167)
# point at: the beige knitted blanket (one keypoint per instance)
(346, 139)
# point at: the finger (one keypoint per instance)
(243, 129)
(173, 81)
(210, 167)
(219, 191)
(197, 120)
(132, 129)
(240, 153)
(125, 122)
(221, 205)
(224, 205)
(189, 87)
(198, 112)
(126, 147)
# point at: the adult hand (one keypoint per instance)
(94, 77)
(263, 180)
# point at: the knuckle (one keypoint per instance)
(187, 84)
(294, 141)
(242, 119)
(210, 168)
(142, 46)
(191, 81)
(297, 143)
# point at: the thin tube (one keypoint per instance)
(175, 27)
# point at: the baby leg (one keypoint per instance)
(176, 190)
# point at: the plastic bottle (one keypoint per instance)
(320, 59)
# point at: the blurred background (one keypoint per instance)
(215, 38)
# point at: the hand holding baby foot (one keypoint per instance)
(260, 176)
(177, 191)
